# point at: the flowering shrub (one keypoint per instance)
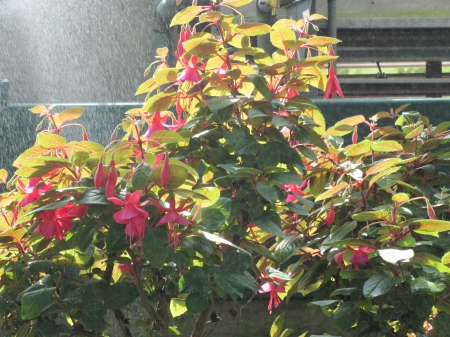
(244, 189)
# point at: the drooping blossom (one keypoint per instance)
(165, 172)
(359, 257)
(156, 125)
(222, 70)
(293, 189)
(35, 188)
(185, 35)
(98, 177)
(111, 180)
(191, 72)
(55, 223)
(272, 287)
(131, 215)
(333, 86)
(173, 217)
(329, 219)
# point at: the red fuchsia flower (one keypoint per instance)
(98, 177)
(34, 190)
(165, 172)
(111, 180)
(273, 288)
(185, 35)
(355, 136)
(359, 257)
(173, 217)
(55, 223)
(131, 215)
(293, 188)
(333, 86)
(222, 71)
(156, 125)
(330, 216)
(191, 72)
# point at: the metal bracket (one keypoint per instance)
(380, 73)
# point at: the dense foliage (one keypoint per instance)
(239, 189)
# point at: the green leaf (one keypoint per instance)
(34, 302)
(352, 121)
(253, 29)
(369, 216)
(261, 85)
(165, 137)
(285, 178)
(275, 273)
(421, 285)
(160, 102)
(87, 235)
(268, 156)
(148, 86)
(120, 294)
(93, 196)
(221, 116)
(186, 15)
(324, 303)
(196, 302)
(277, 326)
(80, 158)
(441, 323)
(268, 192)
(213, 217)
(51, 141)
(235, 262)
(288, 247)
(216, 103)
(218, 239)
(194, 280)
(167, 75)
(237, 3)
(200, 244)
(383, 165)
(270, 222)
(446, 258)
(359, 148)
(116, 240)
(296, 208)
(346, 316)
(247, 145)
(321, 41)
(378, 285)
(415, 133)
(141, 176)
(155, 246)
(177, 306)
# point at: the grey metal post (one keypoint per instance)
(332, 21)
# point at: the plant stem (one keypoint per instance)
(201, 321)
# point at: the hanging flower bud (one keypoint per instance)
(330, 216)
(430, 211)
(98, 178)
(85, 137)
(355, 136)
(165, 172)
(111, 179)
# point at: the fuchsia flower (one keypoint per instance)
(55, 223)
(222, 71)
(165, 172)
(333, 86)
(131, 215)
(293, 188)
(111, 180)
(273, 288)
(156, 125)
(173, 217)
(191, 72)
(98, 177)
(185, 35)
(34, 190)
(330, 216)
(359, 257)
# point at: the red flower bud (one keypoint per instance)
(165, 172)
(85, 136)
(98, 178)
(330, 216)
(111, 179)
(431, 212)
(355, 136)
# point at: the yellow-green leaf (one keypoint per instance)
(427, 226)
(354, 120)
(160, 102)
(201, 47)
(384, 165)
(387, 146)
(282, 36)
(212, 16)
(236, 3)
(446, 258)
(147, 86)
(383, 174)
(51, 141)
(165, 137)
(167, 75)
(332, 191)
(40, 110)
(359, 148)
(415, 133)
(338, 130)
(3, 176)
(253, 29)
(70, 114)
(186, 15)
(400, 197)
(320, 41)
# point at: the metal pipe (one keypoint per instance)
(332, 20)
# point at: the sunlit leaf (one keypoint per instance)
(186, 15)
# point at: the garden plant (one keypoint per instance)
(227, 183)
